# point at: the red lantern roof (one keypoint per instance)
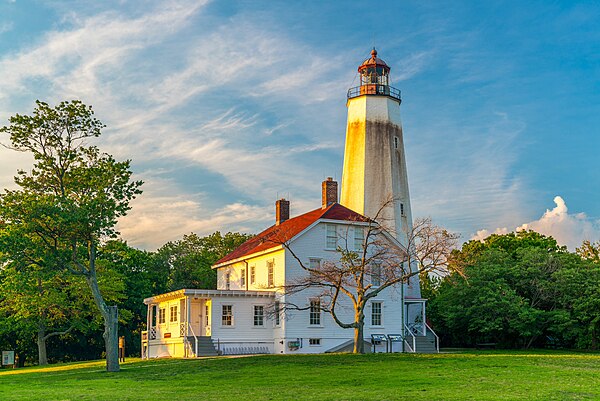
(373, 61)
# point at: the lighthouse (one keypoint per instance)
(374, 179)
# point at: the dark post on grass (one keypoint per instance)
(121, 349)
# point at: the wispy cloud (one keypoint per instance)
(5, 27)
(166, 212)
(110, 60)
(466, 179)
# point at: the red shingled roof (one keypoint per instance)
(277, 235)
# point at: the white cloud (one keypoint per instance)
(567, 228)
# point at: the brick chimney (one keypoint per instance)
(282, 211)
(329, 192)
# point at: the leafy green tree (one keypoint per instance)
(189, 260)
(142, 277)
(579, 296)
(509, 294)
(69, 201)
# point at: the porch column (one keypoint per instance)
(188, 314)
(423, 317)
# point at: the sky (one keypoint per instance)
(226, 106)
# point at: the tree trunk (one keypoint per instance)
(41, 343)
(111, 325)
(359, 341)
(111, 339)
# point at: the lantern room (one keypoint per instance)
(374, 79)
(374, 71)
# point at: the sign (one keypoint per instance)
(167, 335)
(8, 357)
(395, 338)
(378, 337)
(293, 345)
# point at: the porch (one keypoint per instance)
(180, 323)
(417, 336)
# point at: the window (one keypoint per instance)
(314, 264)
(375, 313)
(314, 341)
(162, 312)
(396, 142)
(359, 238)
(252, 274)
(331, 236)
(173, 314)
(270, 264)
(277, 311)
(227, 280)
(206, 314)
(243, 278)
(376, 274)
(259, 315)
(227, 316)
(315, 312)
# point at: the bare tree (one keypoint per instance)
(362, 272)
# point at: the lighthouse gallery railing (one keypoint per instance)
(374, 89)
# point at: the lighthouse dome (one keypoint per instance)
(373, 62)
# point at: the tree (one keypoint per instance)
(589, 251)
(381, 259)
(70, 200)
(142, 276)
(188, 261)
(519, 288)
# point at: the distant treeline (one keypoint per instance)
(518, 290)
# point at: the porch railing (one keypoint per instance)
(437, 339)
(417, 329)
(414, 340)
(184, 333)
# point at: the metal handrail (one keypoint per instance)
(374, 89)
(195, 339)
(416, 328)
(414, 340)
(437, 339)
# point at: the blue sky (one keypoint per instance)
(225, 106)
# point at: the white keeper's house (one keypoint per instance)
(245, 314)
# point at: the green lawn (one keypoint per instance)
(493, 375)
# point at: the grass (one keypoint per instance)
(493, 375)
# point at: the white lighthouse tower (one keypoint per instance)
(374, 173)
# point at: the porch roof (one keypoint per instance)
(208, 294)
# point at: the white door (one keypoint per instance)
(196, 317)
